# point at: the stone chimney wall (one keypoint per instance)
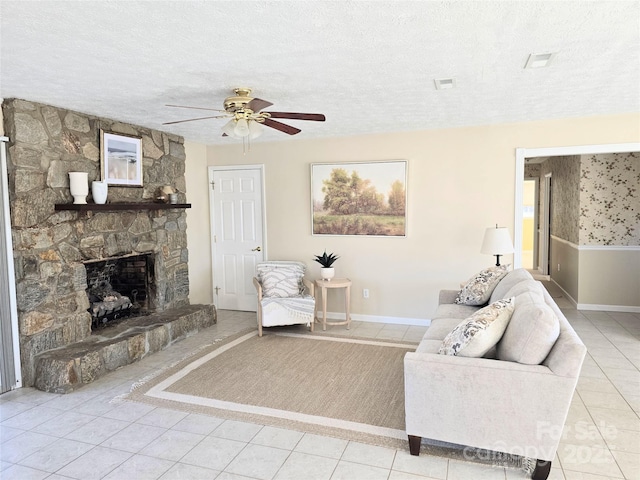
(49, 247)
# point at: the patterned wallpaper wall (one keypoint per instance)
(610, 199)
(596, 198)
(565, 188)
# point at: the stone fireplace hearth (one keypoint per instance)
(54, 251)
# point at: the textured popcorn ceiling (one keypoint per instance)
(368, 66)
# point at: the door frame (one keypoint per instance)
(210, 172)
(522, 153)
(546, 224)
(7, 258)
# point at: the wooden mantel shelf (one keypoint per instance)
(95, 207)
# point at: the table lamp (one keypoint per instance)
(497, 241)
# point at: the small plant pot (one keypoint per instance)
(327, 273)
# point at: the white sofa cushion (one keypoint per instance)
(526, 286)
(479, 288)
(476, 335)
(440, 328)
(531, 333)
(508, 281)
(451, 310)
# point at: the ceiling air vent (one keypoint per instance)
(445, 83)
(539, 60)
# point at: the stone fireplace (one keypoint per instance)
(57, 253)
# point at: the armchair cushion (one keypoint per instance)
(476, 335)
(280, 283)
(479, 288)
(280, 279)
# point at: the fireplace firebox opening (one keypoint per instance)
(119, 287)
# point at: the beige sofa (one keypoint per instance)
(516, 406)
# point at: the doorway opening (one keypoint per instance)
(524, 153)
(530, 224)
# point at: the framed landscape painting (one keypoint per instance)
(121, 159)
(360, 198)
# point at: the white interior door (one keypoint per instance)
(237, 210)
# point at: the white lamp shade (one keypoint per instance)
(497, 241)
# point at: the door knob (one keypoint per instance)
(257, 249)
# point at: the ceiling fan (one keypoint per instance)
(247, 118)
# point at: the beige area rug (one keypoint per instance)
(338, 386)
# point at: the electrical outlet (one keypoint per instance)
(558, 267)
(365, 293)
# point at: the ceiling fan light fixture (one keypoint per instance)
(242, 128)
(255, 129)
(229, 128)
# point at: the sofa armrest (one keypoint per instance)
(447, 296)
(484, 403)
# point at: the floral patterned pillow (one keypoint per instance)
(476, 335)
(478, 289)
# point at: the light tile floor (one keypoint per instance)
(88, 435)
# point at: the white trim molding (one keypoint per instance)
(566, 294)
(604, 248)
(420, 322)
(607, 308)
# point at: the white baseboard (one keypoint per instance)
(421, 322)
(608, 308)
(598, 308)
(540, 276)
(569, 297)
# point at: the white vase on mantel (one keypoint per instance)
(327, 273)
(99, 192)
(79, 186)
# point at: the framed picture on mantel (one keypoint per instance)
(121, 159)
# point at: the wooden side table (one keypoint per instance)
(323, 285)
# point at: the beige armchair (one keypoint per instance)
(285, 297)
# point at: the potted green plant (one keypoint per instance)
(327, 271)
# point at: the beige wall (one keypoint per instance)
(461, 181)
(198, 230)
(620, 268)
(567, 256)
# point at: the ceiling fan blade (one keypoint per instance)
(281, 126)
(258, 104)
(196, 108)
(317, 117)
(194, 119)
